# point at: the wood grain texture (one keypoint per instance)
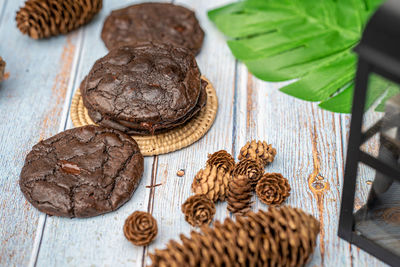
(34, 103)
(31, 107)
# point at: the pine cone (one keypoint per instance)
(140, 228)
(213, 180)
(239, 196)
(258, 150)
(45, 18)
(279, 237)
(2, 68)
(250, 169)
(198, 210)
(221, 159)
(273, 188)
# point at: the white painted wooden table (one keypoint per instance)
(34, 104)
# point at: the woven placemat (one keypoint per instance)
(166, 142)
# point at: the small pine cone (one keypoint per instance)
(273, 188)
(198, 210)
(140, 228)
(45, 18)
(213, 180)
(258, 150)
(2, 68)
(280, 237)
(250, 169)
(239, 196)
(221, 159)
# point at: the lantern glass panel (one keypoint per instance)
(377, 211)
(377, 197)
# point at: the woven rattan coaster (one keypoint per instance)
(166, 142)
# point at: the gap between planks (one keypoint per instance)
(63, 123)
(150, 204)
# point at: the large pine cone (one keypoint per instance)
(45, 18)
(213, 180)
(279, 237)
(198, 210)
(140, 228)
(273, 189)
(239, 196)
(258, 150)
(250, 169)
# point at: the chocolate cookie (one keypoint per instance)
(144, 89)
(82, 172)
(155, 22)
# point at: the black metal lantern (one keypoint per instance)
(374, 225)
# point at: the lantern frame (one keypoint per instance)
(379, 53)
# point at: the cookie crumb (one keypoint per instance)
(180, 173)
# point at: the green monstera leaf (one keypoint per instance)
(307, 40)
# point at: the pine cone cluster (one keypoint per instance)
(198, 210)
(2, 68)
(239, 196)
(222, 179)
(280, 237)
(273, 189)
(45, 18)
(140, 228)
(213, 180)
(258, 150)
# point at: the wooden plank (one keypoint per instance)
(31, 108)
(97, 241)
(218, 65)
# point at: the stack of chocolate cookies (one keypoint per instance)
(148, 83)
(144, 89)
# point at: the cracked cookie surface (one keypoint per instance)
(144, 88)
(156, 22)
(82, 172)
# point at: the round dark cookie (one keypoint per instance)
(82, 172)
(150, 85)
(156, 22)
